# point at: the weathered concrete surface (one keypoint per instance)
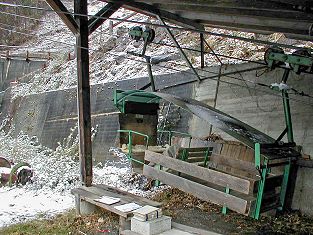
(51, 115)
(263, 110)
(14, 68)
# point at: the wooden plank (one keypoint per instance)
(230, 151)
(199, 149)
(64, 14)
(234, 163)
(249, 155)
(252, 176)
(195, 159)
(126, 194)
(224, 149)
(219, 178)
(196, 154)
(94, 192)
(238, 151)
(98, 19)
(89, 197)
(153, 11)
(205, 193)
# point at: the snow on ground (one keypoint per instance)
(55, 174)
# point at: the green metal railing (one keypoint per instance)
(122, 97)
(130, 143)
(175, 133)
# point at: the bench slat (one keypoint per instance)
(129, 195)
(196, 154)
(95, 192)
(203, 192)
(195, 159)
(219, 178)
(89, 197)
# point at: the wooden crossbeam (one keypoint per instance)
(64, 14)
(153, 11)
(108, 10)
(209, 175)
(234, 163)
(201, 191)
(265, 4)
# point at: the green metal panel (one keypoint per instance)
(284, 185)
(257, 156)
(261, 186)
(130, 143)
(287, 116)
(224, 209)
(122, 97)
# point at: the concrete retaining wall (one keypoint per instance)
(14, 68)
(50, 116)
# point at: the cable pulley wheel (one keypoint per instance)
(151, 34)
(273, 50)
(304, 53)
(136, 29)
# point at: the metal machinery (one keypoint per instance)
(138, 123)
(265, 176)
(10, 173)
(137, 33)
(138, 128)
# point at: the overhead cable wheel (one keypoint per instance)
(272, 61)
(135, 33)
(151, 34)
(303, 53)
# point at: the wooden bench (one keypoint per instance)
(206, 184)
(231, 183)
(88, 195)
(198, 156)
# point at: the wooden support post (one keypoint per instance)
(95, 22)
(83, 92)
(64, 14)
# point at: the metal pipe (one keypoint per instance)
(170, 34)
(148, 59)
(287, 112)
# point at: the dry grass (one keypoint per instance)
(67, 223)
(174, 201)
(288, 223)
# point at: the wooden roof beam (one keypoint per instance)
(64, 14)
(153, 11)
(108, 10)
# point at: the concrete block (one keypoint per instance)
(175, 231)
(151, 227)
(83, 207)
